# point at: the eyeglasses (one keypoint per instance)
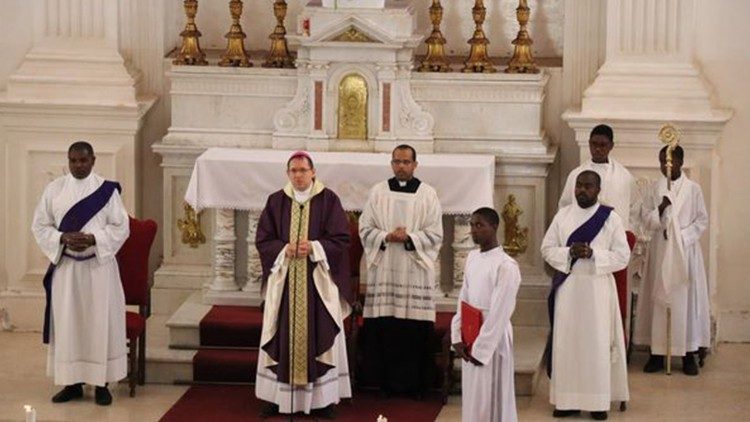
(299, 171)
(404, 162)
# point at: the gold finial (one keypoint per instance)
(522, 60)
(478, 60)
(669, 135)
(190, 51)
(235, 54)
(279, 55)
(516, 239)
(435, 60)
(190, 227)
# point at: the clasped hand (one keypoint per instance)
(77, 241)
(298, 250)
(580, 250)
(397, 236)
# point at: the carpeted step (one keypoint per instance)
(224, 365)
(231, 326)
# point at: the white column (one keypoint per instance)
(75, 57)
(649, 62)
(254, 269)
(224, 253)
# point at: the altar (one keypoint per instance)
(354, 89)
(230, 180)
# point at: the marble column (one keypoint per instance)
(462, 244)
(224, 252)
(649, 64)
(254, 269)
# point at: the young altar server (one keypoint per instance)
(680, 281)
(491, 281)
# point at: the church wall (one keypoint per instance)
(723, 54)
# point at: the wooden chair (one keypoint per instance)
(132, 258)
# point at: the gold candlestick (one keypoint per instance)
(190, 51)
(235, 54)
(478, 60)
(279, 55)
(522, 61)
(435, 61)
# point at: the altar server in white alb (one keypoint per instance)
(586, 243)
(491, 281)
(675, 274)
(401, 230)
(80, 224)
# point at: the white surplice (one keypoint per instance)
(588, 350)
(491, 281)
(618, 186)
(87, 321)
(401, 283)
(689, 301)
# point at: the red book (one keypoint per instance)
(471, 322)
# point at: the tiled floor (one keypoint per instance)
(721, 393)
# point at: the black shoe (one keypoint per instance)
(269, 409)
(328, 412)
(68, 393)
(655, 364)
(689, 367)
(565, 413)
(102, 396)
(599, 416)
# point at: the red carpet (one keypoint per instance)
(231, 326)
(225, 365)
(238, 403)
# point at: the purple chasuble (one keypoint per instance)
(73, 221)
(583, 234)
(328, 225)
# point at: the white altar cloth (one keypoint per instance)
(242, 179)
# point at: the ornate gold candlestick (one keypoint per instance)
(279, 55)
(478, 60)
(190, 227)
(190, 51)
(235, 54)
(435, 61)
(522, 61)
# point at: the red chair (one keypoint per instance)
(132, 258)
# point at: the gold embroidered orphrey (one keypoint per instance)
(298, 335)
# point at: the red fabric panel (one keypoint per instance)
(231, 326)
(135, 325)
(132, 258)
(217, 365)
(621, 281)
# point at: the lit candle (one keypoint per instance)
(30, 413)
(382, 418)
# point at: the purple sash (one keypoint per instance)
(73, 221)
(584, 234)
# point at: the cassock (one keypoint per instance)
(689, 299)
(491, 281)
(86, 313)
(399, 306)
(617, 190)
(588, 350)
(306, 300)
